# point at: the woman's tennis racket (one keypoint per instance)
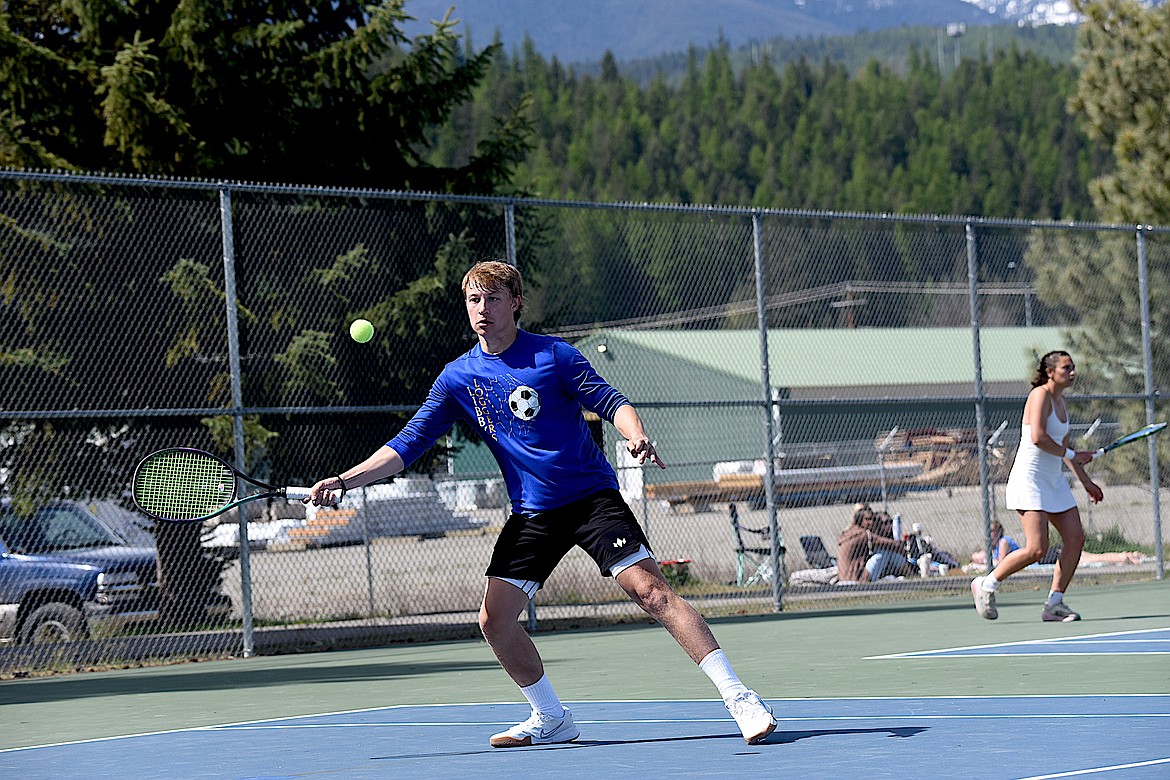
(184, 485)
(1128, 438)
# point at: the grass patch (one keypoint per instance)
(1113, 540)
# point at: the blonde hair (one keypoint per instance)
(861, 512)
(492, 275)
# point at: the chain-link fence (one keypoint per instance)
(787, 364)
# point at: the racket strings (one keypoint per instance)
(183, 485)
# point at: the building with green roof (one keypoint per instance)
(841, 389)
(817, 364)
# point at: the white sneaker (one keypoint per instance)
(539, 729)
(753, 716)
(1058, 613)
(984, 600)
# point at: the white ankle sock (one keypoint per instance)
(1054, 598)
(716, 666)
(990, 583)
(543, 698)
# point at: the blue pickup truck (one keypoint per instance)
(65, 575)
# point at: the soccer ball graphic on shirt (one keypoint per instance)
(524, 402)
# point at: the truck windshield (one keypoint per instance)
(54, 528)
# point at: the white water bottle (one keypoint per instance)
(924, 561)
(898, 526)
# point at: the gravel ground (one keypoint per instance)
(395, 577)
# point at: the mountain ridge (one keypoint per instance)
(582, 32)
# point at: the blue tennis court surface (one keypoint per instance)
(989, 737)
(1144, 642)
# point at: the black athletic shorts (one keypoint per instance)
(601, 524)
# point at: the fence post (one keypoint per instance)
(510, 244)
(510, 231)
(233, 337)
(1148, 372)
(980, 401)
(769, 441)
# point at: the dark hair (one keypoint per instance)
(1047, 363)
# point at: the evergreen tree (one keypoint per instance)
(280, 91)
(329, 94)
(1124, 99)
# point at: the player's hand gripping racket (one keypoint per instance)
(1129, 438)
(183, 485)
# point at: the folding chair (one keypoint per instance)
(753, 564)
(815, 553)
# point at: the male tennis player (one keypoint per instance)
(525, 393)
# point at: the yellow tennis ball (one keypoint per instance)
(361, 331)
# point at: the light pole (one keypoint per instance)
(881, 448)
(955, 30)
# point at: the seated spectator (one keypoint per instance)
(1133, 557)
(919, 544)
(864, 554)
(1001, 545)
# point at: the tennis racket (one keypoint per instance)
(1128, 438)
(184, 485)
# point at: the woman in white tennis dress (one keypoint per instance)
(1038, 490)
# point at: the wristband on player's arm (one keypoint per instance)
(1069, 453)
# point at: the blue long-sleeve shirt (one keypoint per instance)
(526, 404)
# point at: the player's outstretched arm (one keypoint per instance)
(629, 425)
(382, 464)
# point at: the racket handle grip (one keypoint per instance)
(1098, 453)
(302, 493)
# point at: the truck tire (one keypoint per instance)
(55, 622)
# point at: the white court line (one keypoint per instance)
(628, 721)
(1043, 641)
(947, 654)
(242, 723)
(1074, 641)
(1096, 770)
(263, 723)
(256, 723)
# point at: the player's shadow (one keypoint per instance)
(776, 738)
(787, 737)
(575, 745)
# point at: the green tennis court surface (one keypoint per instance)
(909, 682)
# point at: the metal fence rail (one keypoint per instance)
(788, 364)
